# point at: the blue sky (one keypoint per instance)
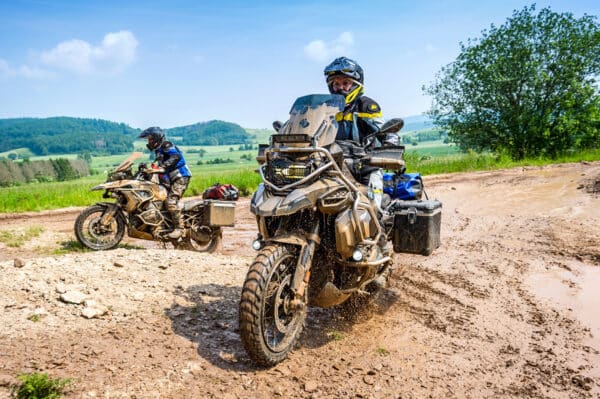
(175, 63)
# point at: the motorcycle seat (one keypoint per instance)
(189, 205)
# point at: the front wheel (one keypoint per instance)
(269, 325)
(94, 233)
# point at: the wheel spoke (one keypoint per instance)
(270, 334)
(93, 234)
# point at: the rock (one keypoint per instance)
(311, 386)
(92, 313)
(118, 264)
(369, 379)
(194, 368)
(60, 288)
(90, 303)
(138, 296)
(74, 297)
(40, 312)
(19, 262)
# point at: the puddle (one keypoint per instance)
(583, 297)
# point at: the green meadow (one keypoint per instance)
(432, 157)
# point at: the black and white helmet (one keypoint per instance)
(343, 66)
(347, 68)
(155, 136)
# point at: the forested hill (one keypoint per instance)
(209, 133)
(61, 135)
(417, 122)
(64, 135)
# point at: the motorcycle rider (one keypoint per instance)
(169, 157)
(362, 115)
(360, 118)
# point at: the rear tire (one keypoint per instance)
(91, 234)
(269, 326)
(193, 243)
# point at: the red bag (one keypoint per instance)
(218, 191)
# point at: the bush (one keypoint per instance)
(40, 386)
(14, 173)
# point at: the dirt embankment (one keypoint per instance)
(507, 307)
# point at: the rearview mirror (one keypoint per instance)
(392, 126)
(277, 125)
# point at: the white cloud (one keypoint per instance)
(6, 71)
(322, 51)
(34, 72)
(116, 52)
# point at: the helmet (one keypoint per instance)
(155, 137)
(345, 67)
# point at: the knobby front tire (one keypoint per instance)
(93, 235)
(269, 326)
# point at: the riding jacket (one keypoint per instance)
(360, 118)
(171, 158)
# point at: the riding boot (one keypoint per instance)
(177, 225)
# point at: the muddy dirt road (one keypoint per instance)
(506, 308)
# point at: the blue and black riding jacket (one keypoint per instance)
(171, 158)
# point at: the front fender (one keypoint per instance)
(293, 239)
(266, 204)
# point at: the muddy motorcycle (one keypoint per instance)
(139, 210)
(320, 239)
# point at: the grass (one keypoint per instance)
(34, 317)
(75, 246)
(473, 162)
(54, 195)
(16, 239)
(40, 386)
(427, 158)
(382, 351)
(335, 335)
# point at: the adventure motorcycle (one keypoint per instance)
(139, 209)
(321, 239)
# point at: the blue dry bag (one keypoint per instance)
(407, 186)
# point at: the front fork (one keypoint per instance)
(110, 213)
(302, 273)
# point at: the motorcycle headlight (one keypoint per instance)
(357, 255)
(282, 171)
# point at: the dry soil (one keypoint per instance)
(507, 307)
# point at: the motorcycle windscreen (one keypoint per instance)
(129, 161)
(314, 115)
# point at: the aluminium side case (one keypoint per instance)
(219, 213)
(417, 226)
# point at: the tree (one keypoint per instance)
(526, 88)
(86, 156)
